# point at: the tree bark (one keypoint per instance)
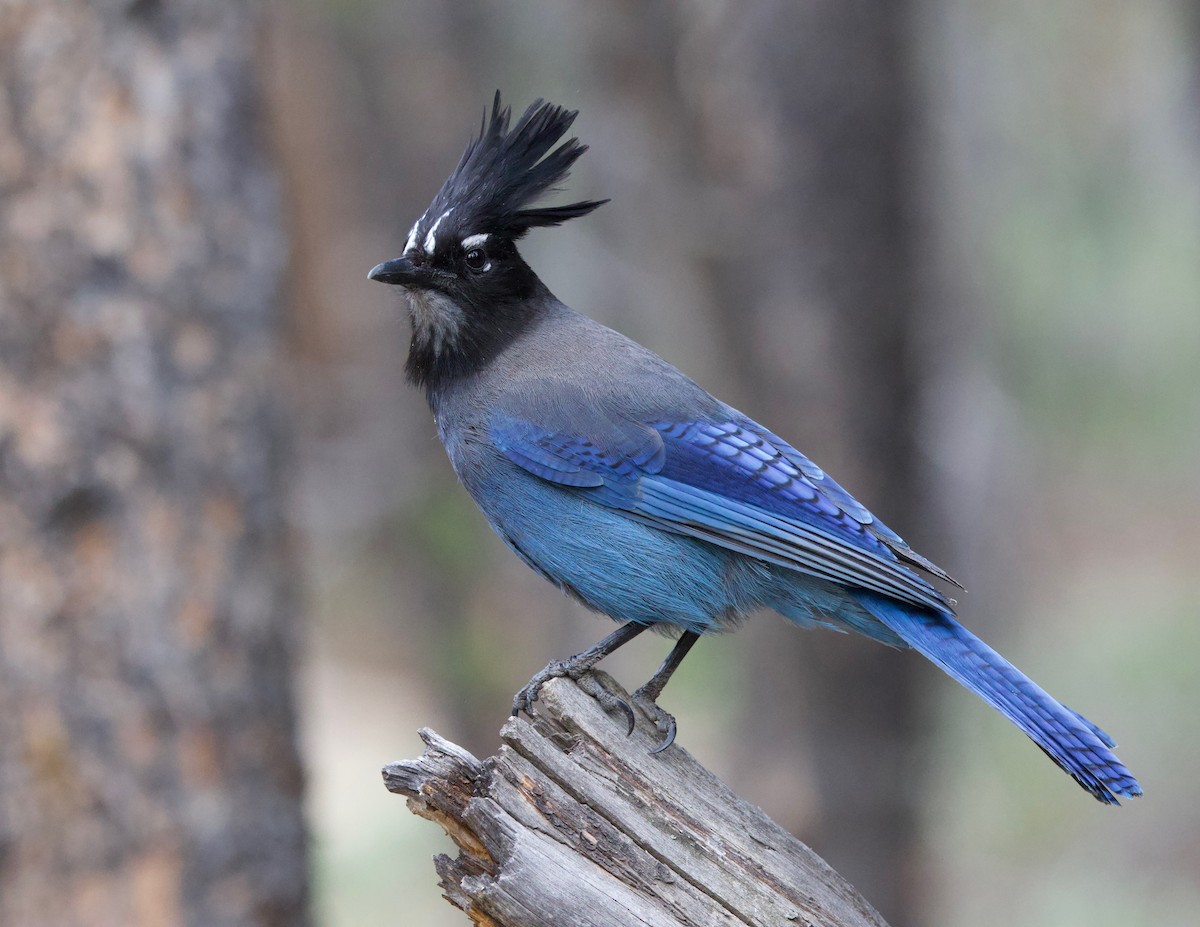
(573, 822)
(148, 765)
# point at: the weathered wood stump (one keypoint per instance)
(573, 824)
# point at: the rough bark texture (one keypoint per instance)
(574, 823)
(148, 770)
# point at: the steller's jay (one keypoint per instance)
(636, 492)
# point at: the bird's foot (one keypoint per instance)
(663, 719)
(581, 672)
(577, 668)
(608, 701)
(528, 693)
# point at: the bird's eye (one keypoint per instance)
(476, 259)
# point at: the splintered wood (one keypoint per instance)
(573, 823)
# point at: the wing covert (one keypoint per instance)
(729, 483)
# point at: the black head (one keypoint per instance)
(469, 290)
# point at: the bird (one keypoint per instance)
(635, 491)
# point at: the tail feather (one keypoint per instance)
(1075, 744)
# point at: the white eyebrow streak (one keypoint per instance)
(412, 235)
(474, 241)
(430, 239)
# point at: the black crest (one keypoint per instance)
(502, 171)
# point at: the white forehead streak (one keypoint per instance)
(412, 235)
(431, 238)
(474, 241)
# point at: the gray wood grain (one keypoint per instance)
(572, 822)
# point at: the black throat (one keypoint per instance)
(491, 322)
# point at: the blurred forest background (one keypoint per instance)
(949, 250)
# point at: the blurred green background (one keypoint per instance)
(1050, 182)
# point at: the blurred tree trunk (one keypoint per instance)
(148, 765)
(820, 304)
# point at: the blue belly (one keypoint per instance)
(632, 571)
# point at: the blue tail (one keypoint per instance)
(1080, 748)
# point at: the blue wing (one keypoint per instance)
(731, 483)
(734, 484)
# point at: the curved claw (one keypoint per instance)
(607, 699)
(630, 717)
(525, 697)
(669, 739)
(523, 703)
(663, 720)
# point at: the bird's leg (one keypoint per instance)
(579, 666)
(646, 697)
